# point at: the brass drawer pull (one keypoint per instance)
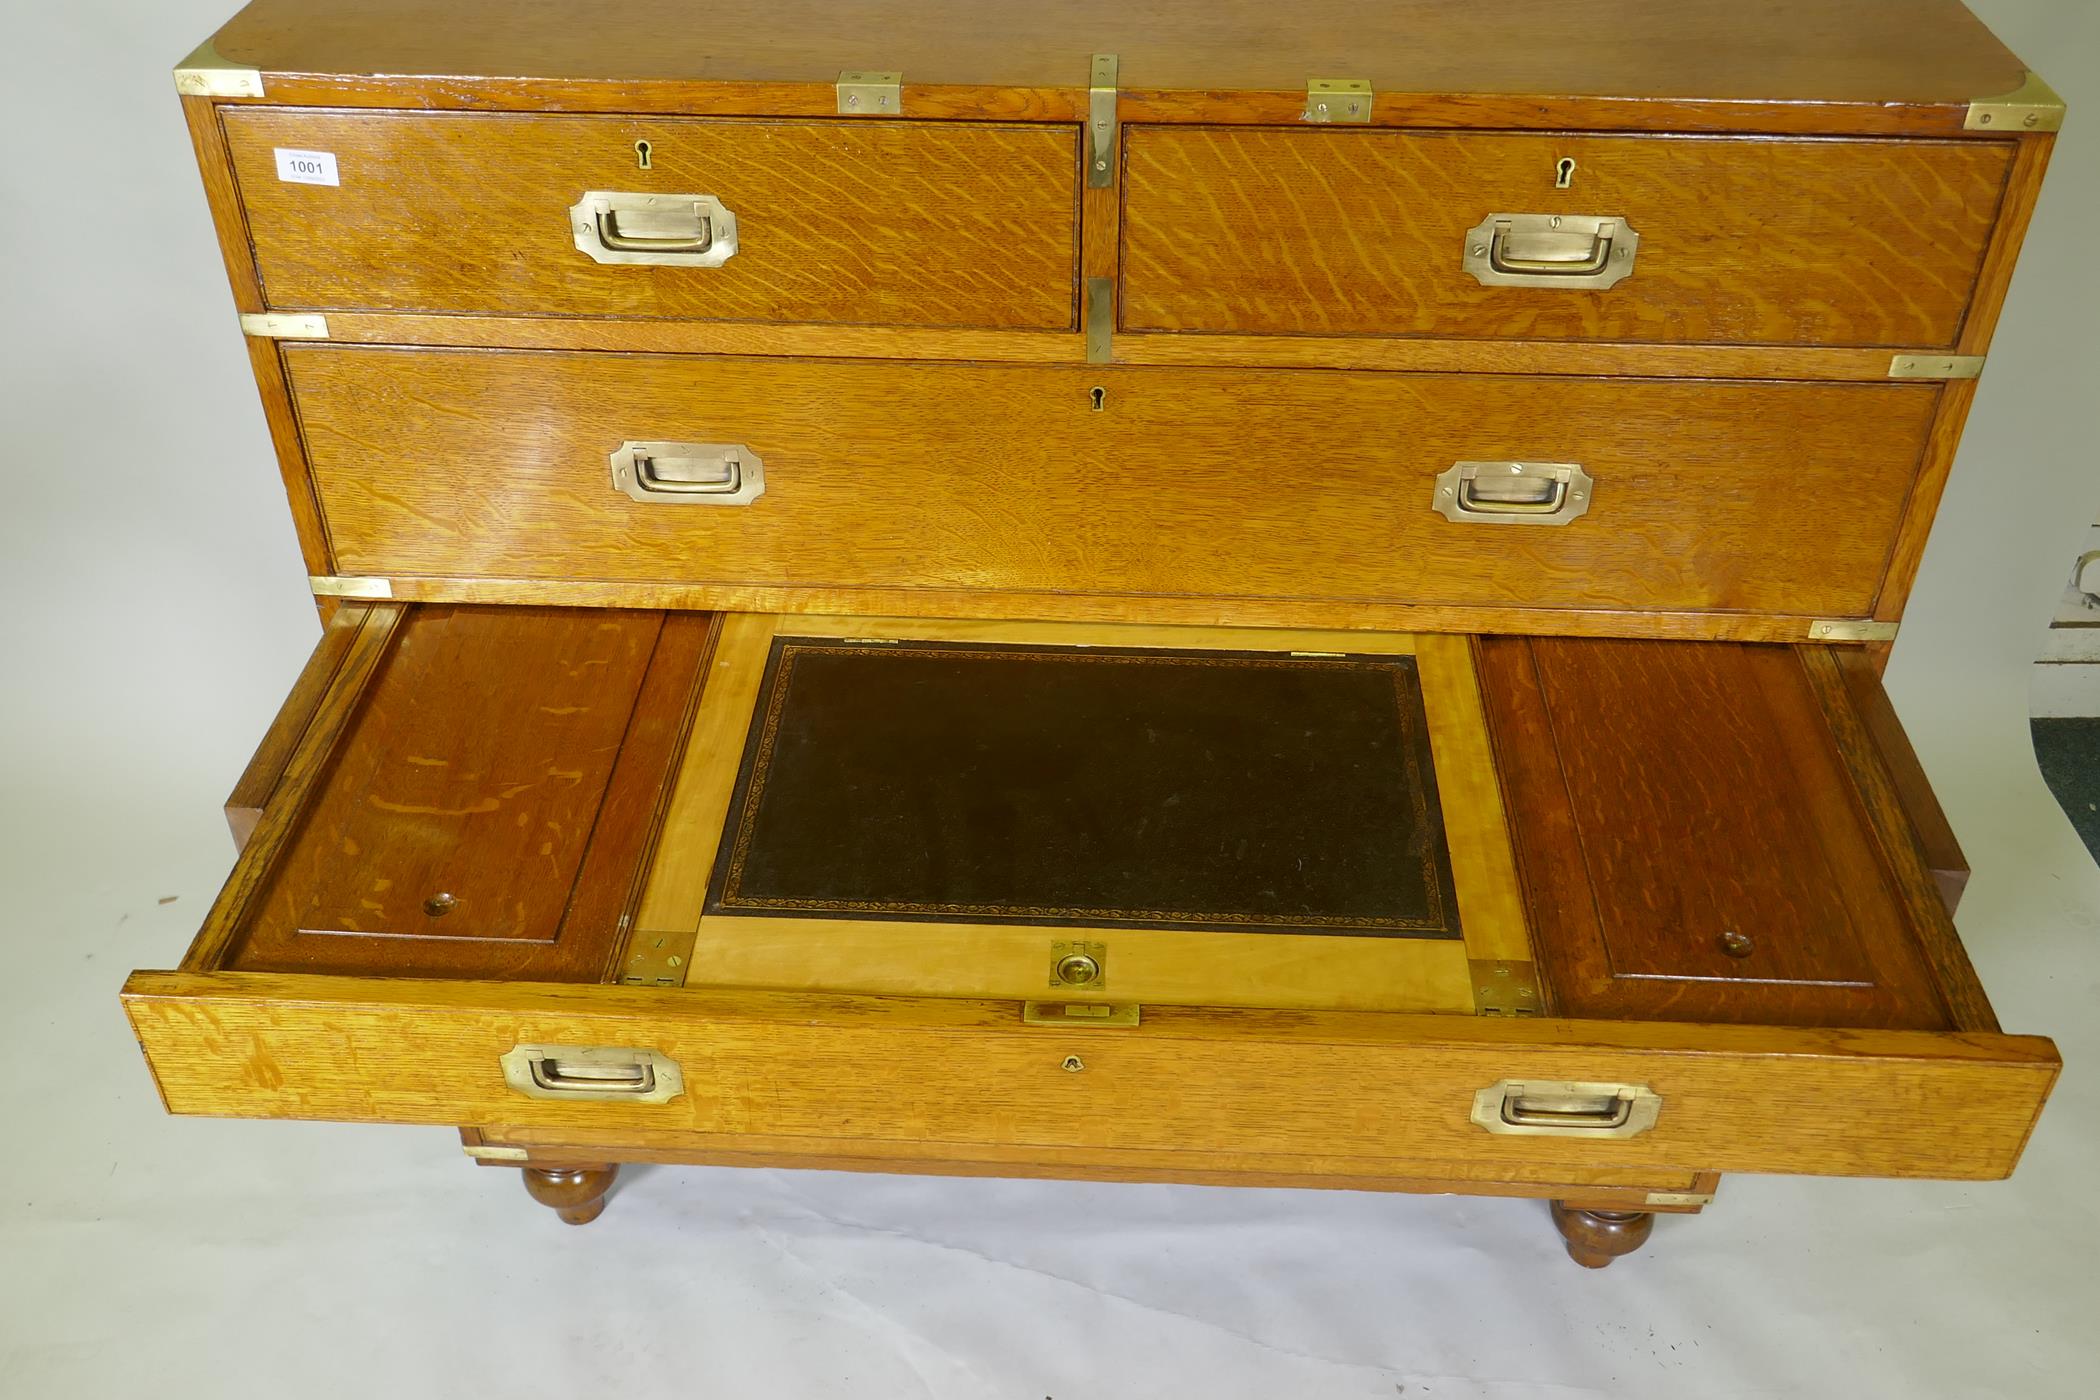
(689, 473)
(1559, 1108)
(659, 230)
(1514, 493)
(592, 1073)
(1570, 251)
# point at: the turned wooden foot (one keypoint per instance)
(1596, 1237)
(576, 1193)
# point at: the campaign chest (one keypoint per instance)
(1196, 592)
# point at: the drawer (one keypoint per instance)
(424, 740)
(1746, 241)
(847, 222)
(1313, 486)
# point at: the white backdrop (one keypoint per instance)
(155, 611)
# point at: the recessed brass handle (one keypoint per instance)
(1583, 252)
(592, 1073)
(689, 473)
(1514, 493)
(658, 230)
(1562, 1108)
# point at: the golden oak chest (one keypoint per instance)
(1193, 592)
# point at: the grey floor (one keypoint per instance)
(2069, 752)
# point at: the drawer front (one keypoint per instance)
(1740, 240)
(1222, 1088)
(1758, 498)
(876, 223)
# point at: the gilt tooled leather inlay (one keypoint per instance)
(969, 783)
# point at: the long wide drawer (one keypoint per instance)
(361, 964)
(1772, 498)
(1555, 237)
(849, 222)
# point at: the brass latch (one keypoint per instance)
(1337, 100)
(871, 94)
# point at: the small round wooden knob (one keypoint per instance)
(1737, 945)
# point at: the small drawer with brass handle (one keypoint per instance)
(655, 230)
(1573, 252)
(689, 473)
(1559, 1108)
(1514, 493)
(592, 1074)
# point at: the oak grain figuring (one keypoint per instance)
(1870, 52)
(1691, 843)
(1213, 484)
(891, 223)
(1339, 232)
(266, 767)
(489, 806)
(1220, 1088)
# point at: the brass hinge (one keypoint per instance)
(871, 94)
(2032, 106)
(1936, 367)
(327, 586)
(1853, 631)
(205, 74)
(658, 959)
(279, 325)
(1505, 988)
(1337, 100)
(1100, 319)
(1101, 122)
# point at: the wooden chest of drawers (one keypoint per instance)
(1190, 593)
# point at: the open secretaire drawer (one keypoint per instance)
(1124, 901)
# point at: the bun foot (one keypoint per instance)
(1596, 1237)
(577, 1194)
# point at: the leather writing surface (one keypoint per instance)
(1088, 786)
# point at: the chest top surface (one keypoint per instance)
(1861, 51)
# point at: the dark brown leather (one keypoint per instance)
(1089, 786)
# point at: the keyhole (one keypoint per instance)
(1564, 173)
(641, 154)
(1100, 397)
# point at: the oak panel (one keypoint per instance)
(1675, 799)
(1746, 241)
(1798, 51)
(1221, 1088)
(1215, 484)
(895, 223)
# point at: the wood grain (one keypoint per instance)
(894, 223)
(489, 809)
(1932, 833)
(1675, 799)
(266, 767)
(1241, 485)
(1869, 53)
(1626, 1190)
(1326, 232)
(1222, 1088)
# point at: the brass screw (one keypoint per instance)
(1737, 945)
(1073, 1064)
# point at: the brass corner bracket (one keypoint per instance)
(1852, 630)
(1101, 122)
(1936, 367)
(1337, 100)
(278, 325)
(871, 94)
(329, 586)
(205, 74)
(2032, 106)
